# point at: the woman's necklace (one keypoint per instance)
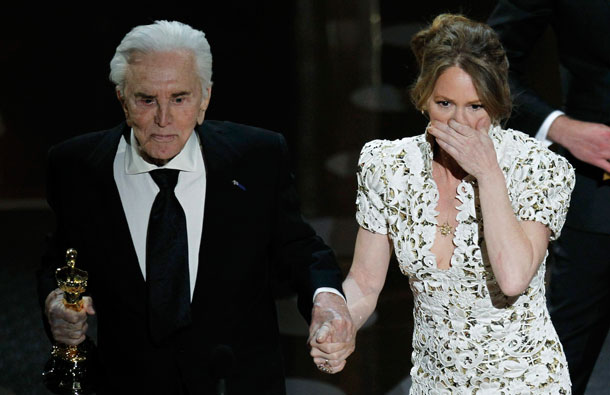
(445, 228)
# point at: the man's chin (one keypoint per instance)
(158, 158)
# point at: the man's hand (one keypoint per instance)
(332, 335)
(67, 325)
(587, 141)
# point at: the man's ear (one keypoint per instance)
(204, 106)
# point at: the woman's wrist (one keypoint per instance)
(492, 175)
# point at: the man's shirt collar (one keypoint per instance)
(186, 160)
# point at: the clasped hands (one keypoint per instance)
(332, 334)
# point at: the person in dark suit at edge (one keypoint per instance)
(167, 297)
(579, 296)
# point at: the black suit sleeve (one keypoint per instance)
(300, 254)
(62, 189)
(520, 23)
(51, 258)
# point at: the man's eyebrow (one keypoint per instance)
(141, 95)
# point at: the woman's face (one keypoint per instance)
(455, 97)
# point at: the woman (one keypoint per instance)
(469, 209)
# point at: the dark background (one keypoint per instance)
(292, 66)
(55, 67)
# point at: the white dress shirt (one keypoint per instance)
(138, 190)
(546, 125)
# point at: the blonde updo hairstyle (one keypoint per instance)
(454, 40)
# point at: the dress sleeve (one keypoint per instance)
(370, 207)
(544, 182)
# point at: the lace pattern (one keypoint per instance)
(469, 337)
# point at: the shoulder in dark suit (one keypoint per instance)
(581, 29)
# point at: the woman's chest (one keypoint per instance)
(433, 231)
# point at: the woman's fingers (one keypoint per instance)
(329, 366)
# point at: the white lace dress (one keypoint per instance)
(469, 338)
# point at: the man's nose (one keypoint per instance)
(163, 116)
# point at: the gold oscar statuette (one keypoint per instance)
(71, 369)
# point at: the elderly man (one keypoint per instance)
(184, 235)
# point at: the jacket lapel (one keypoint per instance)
(111, 221)
(219, 156)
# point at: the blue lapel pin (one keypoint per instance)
(237, 184)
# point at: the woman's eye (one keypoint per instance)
(443, 103)
(477, 106)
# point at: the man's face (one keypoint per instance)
(163, 101)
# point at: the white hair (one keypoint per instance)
(163, 36)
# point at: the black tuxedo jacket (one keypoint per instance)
(253, 239)
(582, 29)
